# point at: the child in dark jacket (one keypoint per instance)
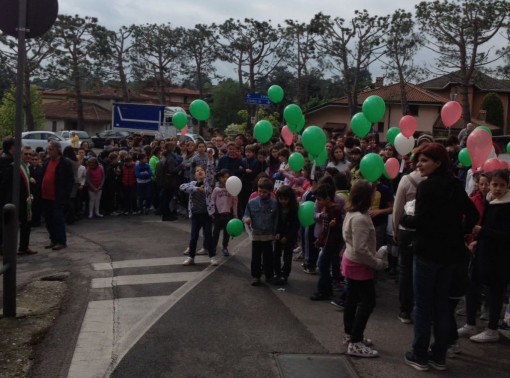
(143, 184)
(286, 234)
(128, 181)
(261, 215)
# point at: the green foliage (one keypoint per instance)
(227, 101)
(234, 129)
(494, 107)
(8, 111)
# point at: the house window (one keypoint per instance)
(54, 126)
(380, 127)
(414, 110)
(185, 100)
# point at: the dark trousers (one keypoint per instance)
(286, 250)
(129, 198)
(359, 304)
(220, 224)
(496, 295)
(155, 195)
(329, 259)
(165, 196)
(406, 296)
(36, 212)
(24, 235)
(55, 221)
(108, 200)
(432, 283)
(310, 251)
(262, 258)
(199, 221)
(143, 191)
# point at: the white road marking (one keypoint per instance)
(142, 279)
(112, 327)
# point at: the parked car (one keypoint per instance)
(83, 135)
(100, 138)
(36, 139)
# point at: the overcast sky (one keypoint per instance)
(115, 13)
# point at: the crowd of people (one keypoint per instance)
(440, 239)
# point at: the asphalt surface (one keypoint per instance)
(218, 325)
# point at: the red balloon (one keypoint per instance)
(491, 164)
(407, 125)
(479, 145)
(287, 135)
(392, 167)
(451, 113)
(184, 131)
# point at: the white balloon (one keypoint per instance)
(233, 185)
(504, 157)
(403, 145)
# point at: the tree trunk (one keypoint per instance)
(403, 93)
(123, 79)
(79, 100)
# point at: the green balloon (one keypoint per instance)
(296, 162)
(314, 140)
(293, 115)
(360, 125)
(392, 134)
(235, 227)
(374, 108)
(321, 158)
(263, 131)
(275, 93)
(180, 120)
(484, 128)
(508, 148)
(200, 110)
(372, 167)
(464, 157)
(306, 213)
(301, 124)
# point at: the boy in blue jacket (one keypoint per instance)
(261, 215)
(143, 184)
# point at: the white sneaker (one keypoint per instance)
(99, 215)
(347, 340)
(214, 261)
(189, 261)
(361, 350)
(296, 250)
(186, 252)
(466, 331)
(202, 251)
(487, 336)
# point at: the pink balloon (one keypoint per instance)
(392, 167)
(184, 130)
(451, 113)
(407, 125)
(491, 164)
(479, 145)
(504, 164)
(287, 135)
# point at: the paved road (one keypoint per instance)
(133, 310)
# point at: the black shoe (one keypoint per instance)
(405, 317)
(256, 282)
(438, 365)
(320, 297)
(50, 246)
(338, 304)
(58, 247)
(169, 218)
(278, 280)
(412, 361)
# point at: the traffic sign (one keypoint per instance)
(256, 99)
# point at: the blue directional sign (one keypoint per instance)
(256, 99)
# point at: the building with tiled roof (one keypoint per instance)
(59, 105)
(480, 85)
(424, 103)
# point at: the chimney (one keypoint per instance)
(379, 82)
(482, 115)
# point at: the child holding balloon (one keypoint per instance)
(225, 205)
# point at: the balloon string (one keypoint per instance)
(312, 174)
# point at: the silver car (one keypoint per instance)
(36, 139)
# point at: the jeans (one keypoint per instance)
(262, 256)
(55, 221)
(286, 249)
(329, 258)
(199, 221)
(359, 305)
(406, 296)
(432, 283)
(220, 224)
(144, 195)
